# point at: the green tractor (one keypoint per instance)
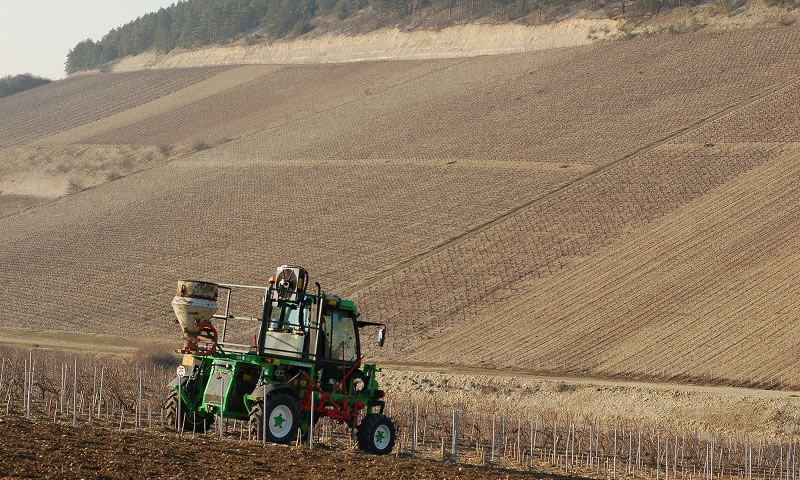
(304, 363)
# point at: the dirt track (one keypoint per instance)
(114, 345)
(41, 450)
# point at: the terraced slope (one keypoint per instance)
(235, 224)
(446, 196)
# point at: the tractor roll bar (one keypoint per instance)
(311, 327)
(229, 287)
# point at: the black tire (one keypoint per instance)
(376, 434)
(191, 422)
(283, 416)
(254, 426)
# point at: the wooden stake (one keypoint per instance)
(615, 453)
(94, 393)
(493, 438)
(63, 386)
(31, 383)
(455, 437)
(534, 431)
(75, 394)
(100, 395)
(25, 377)
(415, 424)
(139, 406)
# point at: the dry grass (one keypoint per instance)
(51, 171)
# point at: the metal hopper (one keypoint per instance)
(194, 304)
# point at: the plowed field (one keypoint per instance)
(56, 107)
(626, 208)
(698, 300)
(41, 450)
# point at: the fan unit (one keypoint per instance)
(289, 280)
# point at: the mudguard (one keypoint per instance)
(258, 393)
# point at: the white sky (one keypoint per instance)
(35, 35)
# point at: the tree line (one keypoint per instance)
(10, 85)
(194, 23)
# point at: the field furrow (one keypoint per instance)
(625, 208)
(690, 297)
(38, 113)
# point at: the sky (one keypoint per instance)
(35, 35)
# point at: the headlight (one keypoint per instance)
(181, 371)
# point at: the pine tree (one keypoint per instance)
(163, 41)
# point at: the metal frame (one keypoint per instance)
(229, 287)
(242, 348)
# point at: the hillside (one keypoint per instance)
(214, 32)
(589, 209)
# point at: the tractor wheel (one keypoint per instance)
(283, 419)
(254, 427)
(376, 434)
(191, 422)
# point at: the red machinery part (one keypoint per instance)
(207, 331)
(327, 407)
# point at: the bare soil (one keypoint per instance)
(83, 99)
(644, 279)
(11, 203)
(453, 199)
(46, 450)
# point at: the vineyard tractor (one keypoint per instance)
(304, 363)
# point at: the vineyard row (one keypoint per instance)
(50, 386)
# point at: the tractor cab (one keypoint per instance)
(338, 337)
(296, 324)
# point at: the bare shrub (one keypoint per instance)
(155, 356)
(165, 150)
(126, 162)
(200, 145)
(564, 387)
